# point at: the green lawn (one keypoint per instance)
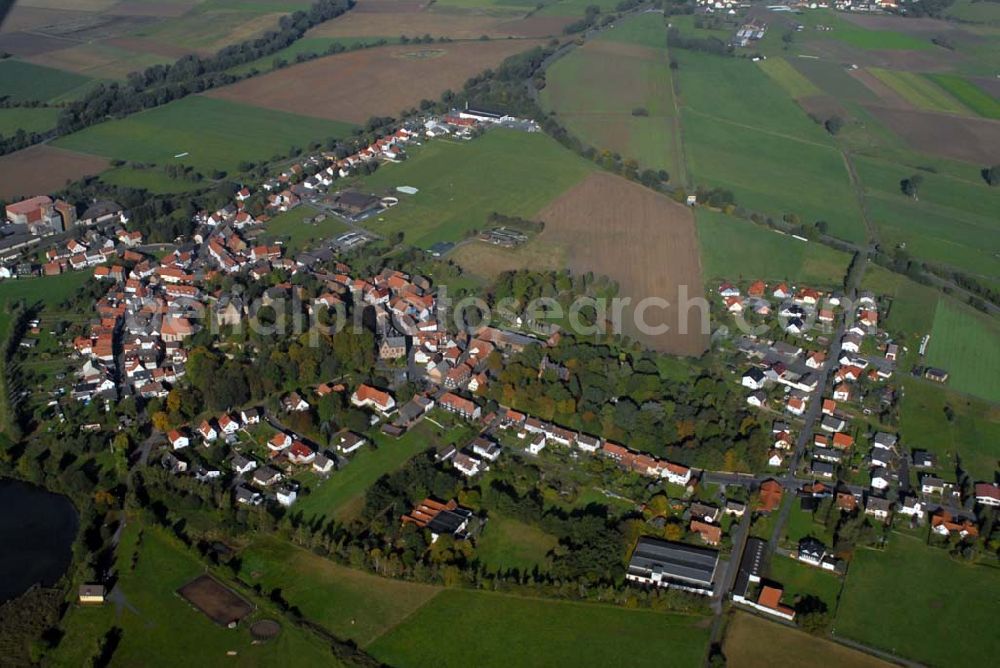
(290, 228)
(967, 344)
(50, 290)
(798, 579)
(516, 631)
(153, 179)
(739, 249)
(27, 119)
(155, 619)
(969, 94)
(352, 604)
(970, 436)
(214, 134)
(911, 311)
(508, 543)
(24, 81)
(899, 600)
(461, 183)
(342, 494)
(594, 91)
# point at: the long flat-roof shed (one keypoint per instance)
(668, 564)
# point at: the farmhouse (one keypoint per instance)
(667, 564)
(441, 519)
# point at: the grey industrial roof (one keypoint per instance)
(675, 560)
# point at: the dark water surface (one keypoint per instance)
(37, 529)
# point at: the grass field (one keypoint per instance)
(967, 344)
(50, 291)
(155, 617)
(799, 580)
(739, 249)
(295, 234)
(507, 544)
(595, 89)
(342, 494)
(789, 78)
(969, 94)
(970, 436)
(349, 603)
(460, 184)
(850, 33)
(919, 91)
(952, 221)
(215, 134)
(754, 642)
(897, 599)
(743, 132)
(29, 120)
(911, 312)
(516, 631)
(153, 179)
(23, 81)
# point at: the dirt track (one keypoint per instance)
(643, 240)
(371, 82)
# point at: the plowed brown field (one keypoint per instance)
(355, 86)
(44, 169)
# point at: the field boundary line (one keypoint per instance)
(756, 129)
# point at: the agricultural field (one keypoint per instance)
(341, 496)
(742, 132)
(969, 94)
(513, 630)
(645, 242)
(967, 344)
(789, 78)
(732, 248)
(970, 436)
(461, 183)
(352, 604)
(895, 600)
(754, 642)
(154, 616)
(23, 81)
(919, 91)
(43, 168)
(206, 133)
(615, 93)
(507, 544)
(27, 119)
(383, 80)
(912, 307)
(966, 139)
(292, 230)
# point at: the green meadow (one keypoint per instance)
(919, 90)
(206, 133)
(739, 249)
(897, 599)
(594, 91)
(296, 234)
(799, 580)
(23, 81)
(969, 94)
(461, 183)
(743, 132)
(153, 179)
(967, 344)
(519, 631)
(969, 437)
(507, 544)
(30, 120)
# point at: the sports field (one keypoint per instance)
(754, 642)
(515, 631)
(615, 93)
(155, 616)
(461, 183)
(208, 134)
(897, 599)
(739, 249)
(29, 120)
(23, 81)
(967, 344)
(743, 132)
(507, 544)
(295, 234)
(970, 436)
